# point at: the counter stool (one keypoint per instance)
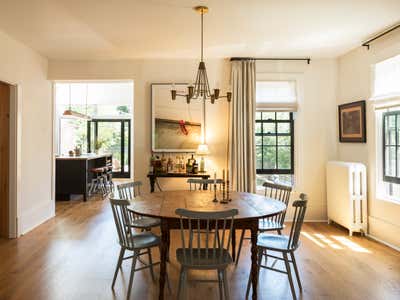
(110, 182)
(98, 181)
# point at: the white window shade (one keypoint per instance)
(276, 95)
(387, 79)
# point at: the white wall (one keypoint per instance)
(354, 84)
(317, 144)
(314, 126)
(21, 66)
(145, 72)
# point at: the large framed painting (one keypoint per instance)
(176, 125)
(352, 122)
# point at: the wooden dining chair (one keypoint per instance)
(202, 250)
(129, 191)
(284, 244)
(204, 184)
(135, 242)
(276, 223)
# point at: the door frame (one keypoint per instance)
(14, 156)
(95, 122)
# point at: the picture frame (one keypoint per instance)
(176, 126)
(352, 122)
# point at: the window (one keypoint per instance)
(391, 146)
(274, 142)
(386, 102)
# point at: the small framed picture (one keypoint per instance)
(352, 122)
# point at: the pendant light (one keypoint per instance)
(200, 90)
(71, 114)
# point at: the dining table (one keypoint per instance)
(162, 205)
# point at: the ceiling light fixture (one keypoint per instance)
(200, 90)
(71, 114)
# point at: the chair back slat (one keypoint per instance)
(122, 222)
(199, 239)
(298, 220)
(200, 184)
(278, 192)
(129, 190)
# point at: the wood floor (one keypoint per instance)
(73, 256)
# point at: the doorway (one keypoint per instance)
(4, 159)
(114, 135)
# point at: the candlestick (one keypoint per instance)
(215, 187)
(223, 184)
(227, 186)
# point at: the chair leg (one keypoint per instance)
(226, 289)
(119, 263)
(289, 273)
(279, 232)
(134, 259)
(260, 255)
(182, 283)
(220, 279)
(151, 264)
(240, 246)
(296, 270)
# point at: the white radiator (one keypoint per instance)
(347, 195)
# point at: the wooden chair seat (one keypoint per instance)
(207, 259)
(97, 170)
(145, 222)
(274, 242)
(143, 240)
(269, 225)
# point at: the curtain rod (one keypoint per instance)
(307, 59)
(367, 43)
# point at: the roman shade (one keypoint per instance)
(386, 83)
(278, 95)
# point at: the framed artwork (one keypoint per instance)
(352, 122)
(176, 125)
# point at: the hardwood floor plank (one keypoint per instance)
(73, 256)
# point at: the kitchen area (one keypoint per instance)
(93, 137)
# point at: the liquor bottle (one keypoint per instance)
(195, 167)
(189, 166)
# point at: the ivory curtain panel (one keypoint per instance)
(241, 128)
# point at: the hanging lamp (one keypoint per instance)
(71, 114)
(200, 90)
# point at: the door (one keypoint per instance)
(4, 158)
(114, 136)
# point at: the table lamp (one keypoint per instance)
(202, 151)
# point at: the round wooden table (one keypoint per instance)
(162, 205)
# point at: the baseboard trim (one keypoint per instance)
(34, 217)
(382, 242)
(315, 221)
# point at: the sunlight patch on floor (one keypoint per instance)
(334, 241)
(350, 244)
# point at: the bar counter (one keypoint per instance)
(73, 174)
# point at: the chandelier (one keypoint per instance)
(200, 89)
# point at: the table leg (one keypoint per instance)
(163, 256)
(152, 183)
(234, 244)
(254, 277)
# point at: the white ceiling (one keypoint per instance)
(123, 29)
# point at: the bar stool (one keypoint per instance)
(110, 182)
(98, 181)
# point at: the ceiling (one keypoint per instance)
(124, 29)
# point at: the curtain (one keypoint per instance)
(241, 150)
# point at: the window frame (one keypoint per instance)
(290, 121)
(396, 178)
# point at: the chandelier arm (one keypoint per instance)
(208, 91)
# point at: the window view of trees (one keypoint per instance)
(274, 146)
